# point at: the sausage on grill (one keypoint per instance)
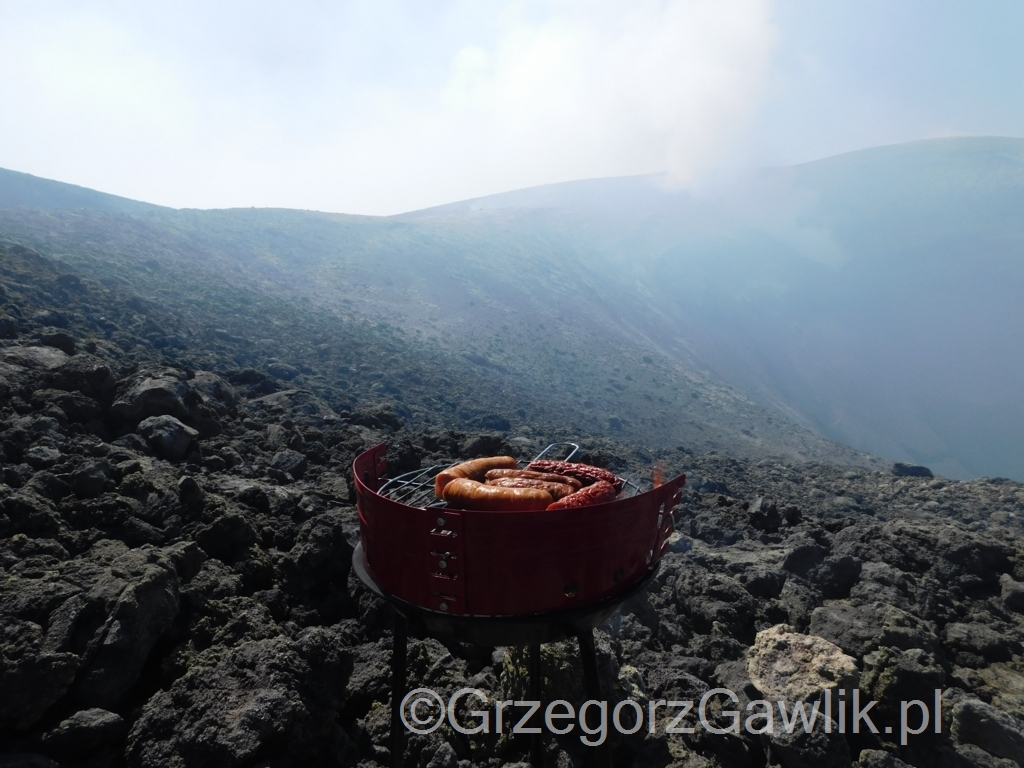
(474, 470)
(494, 474)
(598, 493)
(465, 493)
(557, 490)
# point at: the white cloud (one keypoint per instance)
(377, 107)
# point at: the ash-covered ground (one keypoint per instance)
(177, 526)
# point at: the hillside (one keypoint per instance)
(528, 314)
(871, 299)
(176, 532)
(874, 297)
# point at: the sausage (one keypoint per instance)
(557, 490)
(475, 470)
(585, 473)
(465, 493)
(598, 493)
(494, 474)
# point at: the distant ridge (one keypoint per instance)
(28, 191)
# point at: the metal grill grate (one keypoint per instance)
(416, 488)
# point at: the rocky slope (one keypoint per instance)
(177, 524)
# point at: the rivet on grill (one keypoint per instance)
(617, 576)
(650, 555)
(440, 522)
(443, 606)
(571, 589)
(442, 564)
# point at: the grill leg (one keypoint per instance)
(588, 656)
(536, 752)
(398, 682)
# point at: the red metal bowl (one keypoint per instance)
(463, 562)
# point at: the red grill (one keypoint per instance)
(466, 563)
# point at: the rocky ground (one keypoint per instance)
(176, 525)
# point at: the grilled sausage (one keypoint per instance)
(598, 493)
(585, 473)
(557, 490)
(474, 470)
(494, 474)
(464, 493)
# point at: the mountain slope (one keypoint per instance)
(874, 298)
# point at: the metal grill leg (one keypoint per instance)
(398, 682)
(536, 752)
(588, 656)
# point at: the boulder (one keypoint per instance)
(85, 732)
(292, 462)
(92, 478)
(1012, 593)
(892, 675)
(157, 391)
(814, 749)
(974, 639)
(83, 373)
(981, 724)
(116, 622)
(32, 676)
(51, 337)
(792, 667)
(861, 629)
(167, 437)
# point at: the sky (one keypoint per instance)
(384, 106)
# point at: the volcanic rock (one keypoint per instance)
(167, 437)
(791, 667)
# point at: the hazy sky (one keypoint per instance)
(383, 106)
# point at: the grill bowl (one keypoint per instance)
(507, 564)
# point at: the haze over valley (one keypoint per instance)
(872, 299)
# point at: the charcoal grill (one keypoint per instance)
(503, 578)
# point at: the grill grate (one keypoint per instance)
(416, 488)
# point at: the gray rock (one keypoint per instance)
(982, 759)
(41, 456)
(226, 536)
(282, 371)
(191, 495)
(292, 462)
(274, 701)
(213, 388)
(814, 749)
(77, 407)
(979, 639)
(876, 758)
(92, 478)
(83, 373)
(1012, 593)
(861, 629)
(51, 337)
(35, 358)
(8, 327)
(167, 437)
(321, 552)
(892, 675)
(981, 724)
(85, 732)
(764, 515)
(152, 392)
(32, 678)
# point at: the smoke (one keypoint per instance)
(375, 107)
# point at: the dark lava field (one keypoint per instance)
(177, 524)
